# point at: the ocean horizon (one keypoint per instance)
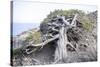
(21, 27)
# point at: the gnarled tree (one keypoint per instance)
(57, 31)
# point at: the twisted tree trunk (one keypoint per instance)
(61, 51)
(58, 30)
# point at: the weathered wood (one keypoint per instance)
(74, 19)
(41, 44)
(45, 42)
(61, 51)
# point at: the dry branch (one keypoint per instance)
(41, 44)
(74, 19)
(45, 42)
(61, 50)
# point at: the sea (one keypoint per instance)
(18, 28)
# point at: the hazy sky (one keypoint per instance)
(33, 12)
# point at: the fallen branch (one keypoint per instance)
(40, 45)
(45, 42)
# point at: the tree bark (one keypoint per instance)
(61, 51)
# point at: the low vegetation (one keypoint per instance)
(82, 17)
(35, 37)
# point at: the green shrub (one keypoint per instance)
(82, 17)
(87, 24)
(64, 13)
(17, 51)
(35, 37)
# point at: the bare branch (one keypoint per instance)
(49, 24)
(47, 41)
(54, 29)
(73, 21)
(28, 51)
(65, 21)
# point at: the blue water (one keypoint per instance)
(21, 27)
